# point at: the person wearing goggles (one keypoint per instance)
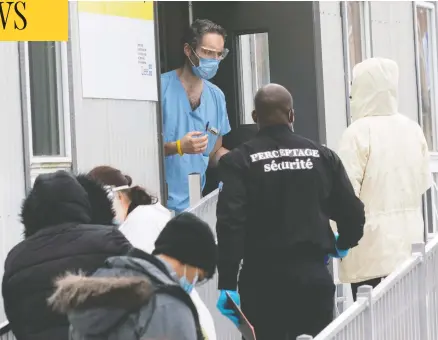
(194, 111)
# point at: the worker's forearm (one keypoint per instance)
(170, 149)
(214, 159)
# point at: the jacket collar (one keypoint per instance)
(275, 130)
(140, 254)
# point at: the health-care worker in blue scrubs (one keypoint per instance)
(194, 111)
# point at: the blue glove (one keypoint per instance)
(224, 309)
(339, 252)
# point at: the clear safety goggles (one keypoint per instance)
(212, 54)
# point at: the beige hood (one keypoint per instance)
(374, 90)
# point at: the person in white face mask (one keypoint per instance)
(142, 218)
(387, 160)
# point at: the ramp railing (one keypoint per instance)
(403, 307)
(431, 282)
(5, 332)
(205, 209)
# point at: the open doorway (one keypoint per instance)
(173, 19)
(269, 41)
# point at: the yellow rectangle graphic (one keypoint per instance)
(34, 20)
(128, 9)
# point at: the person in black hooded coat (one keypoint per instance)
(67, 227)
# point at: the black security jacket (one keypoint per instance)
(278, 193)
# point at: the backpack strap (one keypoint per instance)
(178, 293)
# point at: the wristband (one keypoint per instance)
(178, 147)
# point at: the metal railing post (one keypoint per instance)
(419, 249)
(195, 191)
(6, 332)
(340, 299)
(304, 337)
(365, 292)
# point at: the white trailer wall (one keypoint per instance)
(393, 37)
(120, 133)
(11, 151)
(333, 71)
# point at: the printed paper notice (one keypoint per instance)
(117, 45)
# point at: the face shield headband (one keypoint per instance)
(111, 190)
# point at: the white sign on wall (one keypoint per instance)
(117, 44)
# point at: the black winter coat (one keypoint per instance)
(64, 221)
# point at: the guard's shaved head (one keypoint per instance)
(273, 105)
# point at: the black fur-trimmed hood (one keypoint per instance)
(60, 197)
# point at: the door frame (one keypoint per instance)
(234, 43)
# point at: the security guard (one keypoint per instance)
(277, 195)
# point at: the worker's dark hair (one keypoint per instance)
(108, 175)
(138, 196)
(200, 27)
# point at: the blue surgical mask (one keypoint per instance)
(207, 68)
(185, 284)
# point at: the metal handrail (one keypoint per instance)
(392, 279)
(409, 292)
(5, 328)
(336, 326)
(211, 196)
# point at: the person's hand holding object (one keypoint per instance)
(194, 142)
(226, 310)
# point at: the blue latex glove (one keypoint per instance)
(340, 253)
(223, 308)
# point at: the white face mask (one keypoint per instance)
(118, 209)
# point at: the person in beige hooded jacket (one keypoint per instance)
(386, 157)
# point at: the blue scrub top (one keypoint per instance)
(178, 120)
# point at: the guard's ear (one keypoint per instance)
(291, 116)
(254, 116)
